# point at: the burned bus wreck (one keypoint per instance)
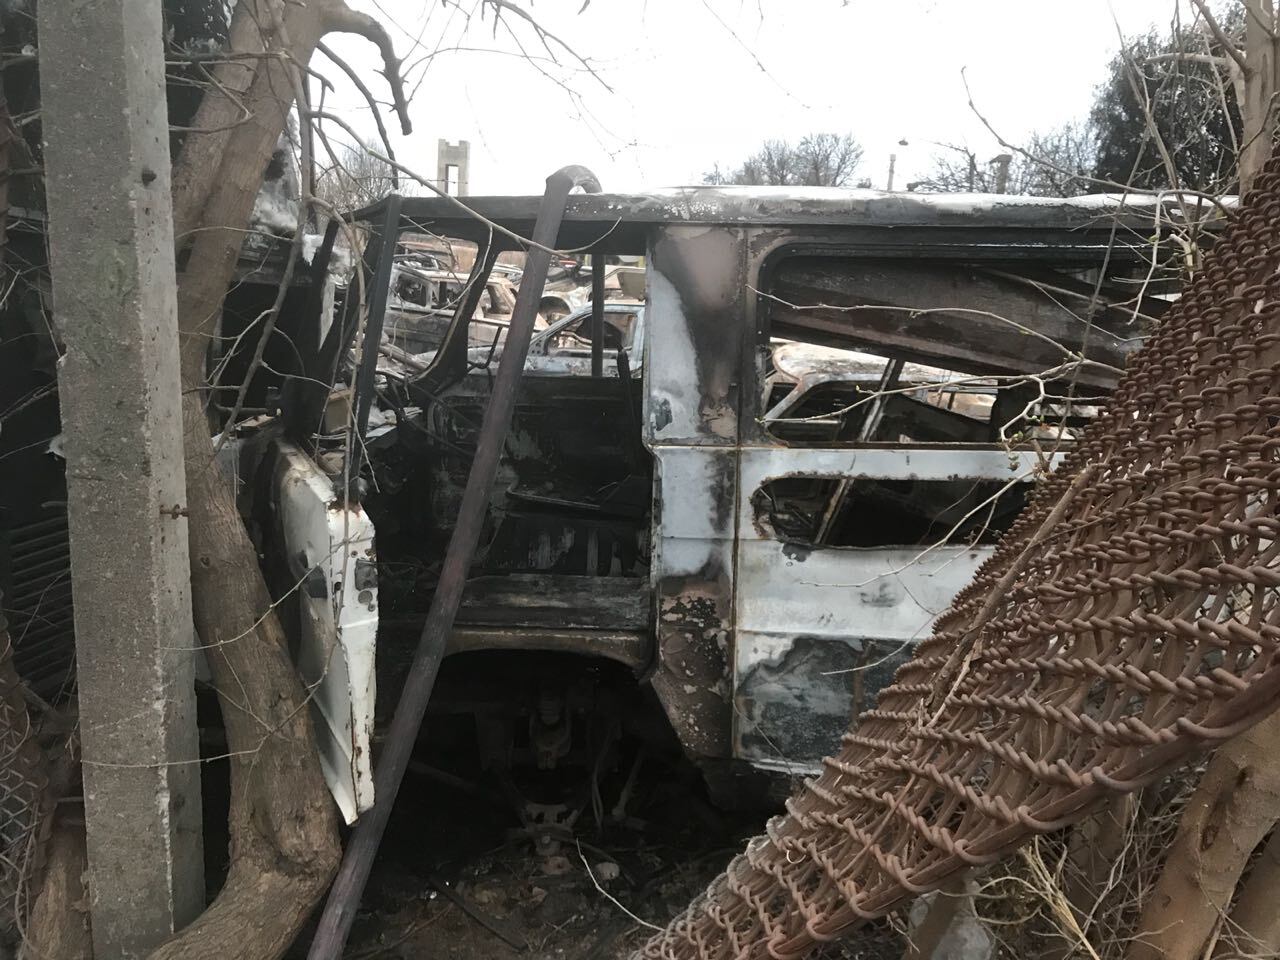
(736, 503)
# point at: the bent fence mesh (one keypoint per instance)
(22, 794)
(1129, 618)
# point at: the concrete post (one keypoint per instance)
(111, 248)
(453, 167)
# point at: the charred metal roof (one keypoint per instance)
(622, 220)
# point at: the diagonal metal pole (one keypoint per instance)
(344, 898)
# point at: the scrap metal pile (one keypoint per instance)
(1128, 620)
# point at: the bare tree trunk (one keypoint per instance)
(1232, 810)
(1253, 929)
(1258, 111)
(59, 925)
(284, 842)
(218, 117)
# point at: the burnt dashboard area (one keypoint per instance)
(563, 559)
(572, 499)
(555, 622)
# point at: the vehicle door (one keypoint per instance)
(564, 348)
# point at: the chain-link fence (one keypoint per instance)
(1130, 618)
(23, 796)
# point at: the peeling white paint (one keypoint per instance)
(331, 552)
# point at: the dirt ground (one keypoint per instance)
(508, 904)
(505, 906)
(466, 880)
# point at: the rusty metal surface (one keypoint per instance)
(1128, 619)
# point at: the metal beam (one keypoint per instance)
(597, 314)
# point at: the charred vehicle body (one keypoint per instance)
(725, 510)
(746, 499)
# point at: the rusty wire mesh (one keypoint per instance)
(23, 795)
(1130, 617)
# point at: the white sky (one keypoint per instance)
(687, 93)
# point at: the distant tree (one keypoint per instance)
(1057, 163)
(816, 160)
(356, 180)
(1177, 87)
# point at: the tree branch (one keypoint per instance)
(360, 85)
(1262, 16)
(342, 19)
(544, 35)
(1206, 58)
(1221, 35)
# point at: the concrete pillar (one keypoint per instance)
(111, 249)
(453, 167)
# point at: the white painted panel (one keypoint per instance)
(331, 552)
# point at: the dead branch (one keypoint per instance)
(545, 36)
(1220, 35)
(365, 92)
(342, 19)
(1122, 188)
(1137, 82)
(747, 49)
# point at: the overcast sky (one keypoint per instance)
(696, 82)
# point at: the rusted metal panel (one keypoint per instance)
(618, 222)
(694, 353)
(632, 649)
(820, 631)
(556, 601)
(892, 462)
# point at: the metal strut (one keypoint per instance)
(344, 897)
